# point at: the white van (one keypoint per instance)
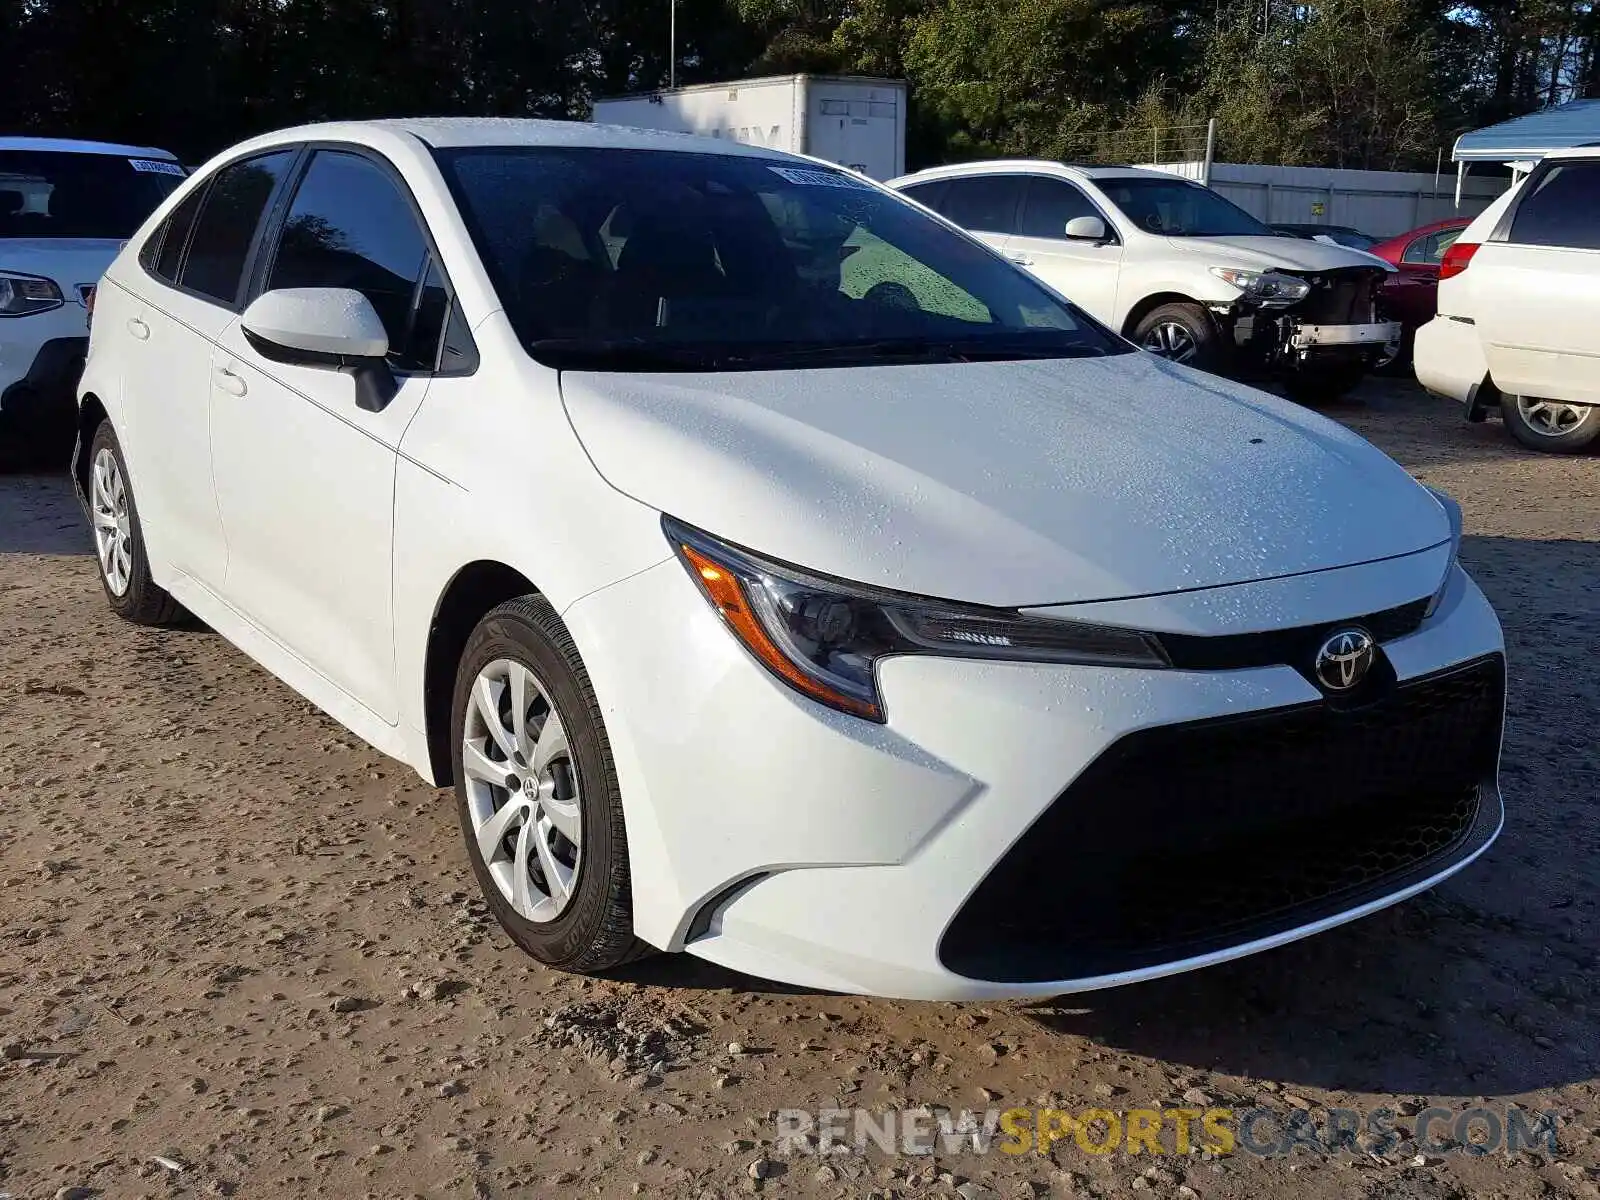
(1519, 309)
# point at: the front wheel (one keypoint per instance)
(1550, 425)
(537, 792)
(1182, 333)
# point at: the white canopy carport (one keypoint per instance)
(1523, 141)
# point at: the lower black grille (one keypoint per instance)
(1184, 840)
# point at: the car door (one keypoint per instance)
(305, 477)
(1412, 292)
(194, 267)
(1084, 271)
(1541, 266)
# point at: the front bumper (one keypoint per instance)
(782, 839)
(41, 359)
(1379, 333)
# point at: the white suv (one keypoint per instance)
(66, 208)
(1175, 267)
(1519, 304)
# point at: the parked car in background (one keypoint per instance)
(66, 207)
(1338, 235)
(1411, 294)
(1519, 307)
(1177, 268)
(756, 553)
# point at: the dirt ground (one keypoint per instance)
(241, 954)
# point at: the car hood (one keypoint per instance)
(67, 261)
(1276, 253)
(1012, 483)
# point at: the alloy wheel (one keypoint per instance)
(113, 527)
(1549, 418)
(1171, 340)
(522, 790)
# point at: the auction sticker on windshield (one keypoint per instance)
(818, 178)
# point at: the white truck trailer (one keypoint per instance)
(852, 120)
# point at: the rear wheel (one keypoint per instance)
(119, 539)
(1181, 333)
(537, 793)
(1551, 425)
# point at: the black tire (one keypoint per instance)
(1575, 439)
(1157, 328)
(1312, 384)
(594, 932)
(142, 601)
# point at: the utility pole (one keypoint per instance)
(672, 45)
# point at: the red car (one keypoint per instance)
(1411, 294)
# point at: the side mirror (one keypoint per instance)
(1086, 229)
(325, 327)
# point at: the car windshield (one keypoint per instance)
(1177, 208)
(649, 259)
(65, 194)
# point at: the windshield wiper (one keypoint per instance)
(599, 354)
(917, 350)
(603, 354)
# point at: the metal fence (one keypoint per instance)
(1148, 144)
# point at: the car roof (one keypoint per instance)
(1031, 166)
(463, 132)
(77, 146)
(1406, 238)
(1587, 151)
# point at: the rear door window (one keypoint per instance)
(1562, 209)
(226, 227)
(984, 203)
(1429, 249)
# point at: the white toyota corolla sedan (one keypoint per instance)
(776, 572)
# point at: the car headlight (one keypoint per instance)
(23, 295)
(1452, 510)
(824, 637)
(1270, 289)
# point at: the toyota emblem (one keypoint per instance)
(1344, 659)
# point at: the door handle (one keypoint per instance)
(231, 383)
(138, 328)
(1022, 260)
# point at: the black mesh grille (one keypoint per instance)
(1186, 839)
(1294, 647)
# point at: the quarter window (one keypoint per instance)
(1563, 209)
(350, 227)
(164, 250)
(214, 265)
(928, 194)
